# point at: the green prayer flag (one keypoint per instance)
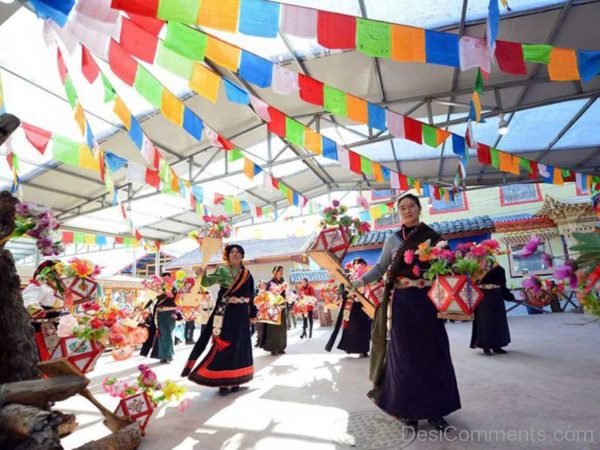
(365, 166)
(429, 135)
(228, 204)
(283, 189)
(65, 150)
(70, 91)
(184, 11)
(127, 241)
(186, 41)
(383, 209)
(374, 38)
(495, 158)
(525, 164)
(294, 131)
(566, 173)
(109, 92)
(15, 162)
(234, 154)
(335, 101)
(411, 181)
(148, 86)
(479, 82)
(174, 62)
(537, 53)
(78, 238)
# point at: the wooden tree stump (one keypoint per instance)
(18, 354)
(127, 438)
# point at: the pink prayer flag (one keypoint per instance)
(261, 108)
(98, 43)
(395, 123)
(394, 180)
(285, 81)
(298, 21)
(474, 52)
(343, 156)
(98, 16)
(213, 136)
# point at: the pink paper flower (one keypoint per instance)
(184, 404)
(362, 201)
(409, 255)
(66, 325)
(531, 247)
(416, 271)
(547, 260)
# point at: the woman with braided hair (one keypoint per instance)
(410, 368)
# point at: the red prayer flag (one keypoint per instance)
(277, 123)
(153, 178)
(143, 7)
(510, 57)
(88, 65)
(150, 24)
(403, 182)
(227, 145)
(436, 193)
(218, 199)
(102, 166)
(354, 160)
(138, 235)
(484, 155)
(36, 136)
(336, 30)
(311, 90)
(67, 237)
(535, 172)
(138, 42)
(413, 130)
(121, 63)
(62, 69)
(118, 240)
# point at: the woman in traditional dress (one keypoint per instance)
(274, 337)
(490, 326)
(228, 363)
(161, 325)
(410, 368)
(355, 323)
(306, 290)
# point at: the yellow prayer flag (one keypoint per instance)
(408, 43)
(290, 196)
(223, 54)
(171, 107)
(417, 187)
(89, 239)
(122, 112)
(357, 109)
(87, 159)
(248, 168)
(505, 163)
(563, 65)
(80, 118)
(219, 14)
(205, 82)
(237, 206)
(477, 104)
(377, 173)
(375, 212)
(174, 181)
(441, 135)
(313, 141)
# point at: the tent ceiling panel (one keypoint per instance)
(585, 130)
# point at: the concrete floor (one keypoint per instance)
(544, 394)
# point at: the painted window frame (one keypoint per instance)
(465, 207)
(538, 198)
(544, 247)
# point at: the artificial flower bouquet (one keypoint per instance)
(270, 306)
(336, 215)
(179, 282)
(304, 304)
(210, 236)
(39, 223)
(540, 292)
(139, 399)
(455, 274)
(73, 282)
(331, 295)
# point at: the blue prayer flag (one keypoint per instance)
(458, 144)
(259, 18)
(256, 70)
(376, 117)
(329, 149)
(192, 123)
(136, 134)
(441, 48)
(198, 192)
(100, 240)
(235, 93)
(113, 161)
(589, 64)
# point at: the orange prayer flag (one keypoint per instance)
(248, 168)
(122, 112)
(171, 107)
(515, 168)
(205, 82)
(223, 54)
(505, 161)
(290, 196)
(79, 118)
(441, 135)
(313, 141)
(417, 187)
(558, 178)
(174, 181)
(357, 109)
(408, 43)
(219, 14)
(563, 65)
(87, 159)
(377, 173)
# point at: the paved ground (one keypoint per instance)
(544, 394)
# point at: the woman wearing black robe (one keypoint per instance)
(412, 373)
(229, 363)
(490, 326)
(274, 337)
